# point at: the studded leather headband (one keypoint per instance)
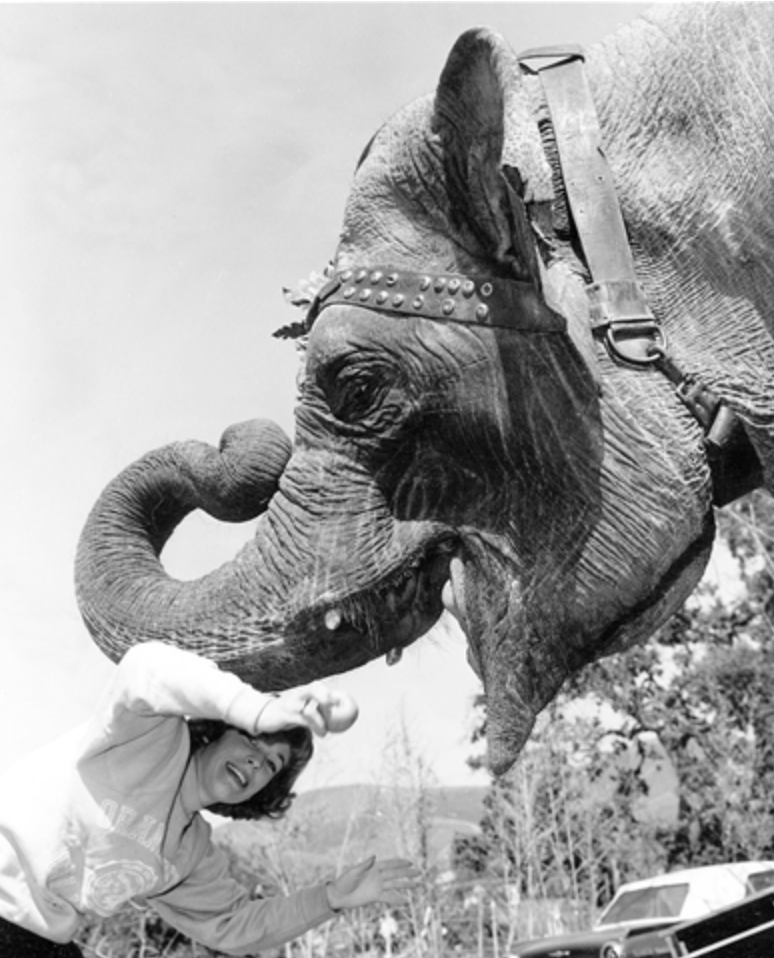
(453, 297)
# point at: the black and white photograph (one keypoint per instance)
(387, 404)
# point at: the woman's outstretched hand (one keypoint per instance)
(317, 706)
(373, 881)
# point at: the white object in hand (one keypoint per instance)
(340, 713)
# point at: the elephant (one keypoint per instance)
(512, 471)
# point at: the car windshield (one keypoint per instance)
(760, 880)
(663, 901)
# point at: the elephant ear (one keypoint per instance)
(498, 178)
(492, 155)
(445, 182)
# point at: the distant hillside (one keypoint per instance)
(349, 822)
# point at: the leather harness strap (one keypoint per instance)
(453, 297)
(618, 306)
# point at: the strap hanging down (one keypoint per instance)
(618, 304)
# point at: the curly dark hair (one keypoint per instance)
(275, 799)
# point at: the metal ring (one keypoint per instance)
(636, 344)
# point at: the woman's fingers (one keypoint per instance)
(398, 876)
(321, 708)
(397, 866)
(313, 717)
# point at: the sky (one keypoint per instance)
(165, 169)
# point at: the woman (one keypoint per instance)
(111, 812)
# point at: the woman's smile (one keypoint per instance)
(237, 766)
(241, 779)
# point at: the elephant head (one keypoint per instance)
(461, 438)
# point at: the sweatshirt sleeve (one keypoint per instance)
(158, 679)
(214, 909)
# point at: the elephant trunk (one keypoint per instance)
(123, 592)
(279, 613)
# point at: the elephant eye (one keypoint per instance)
(356, 391)
(352, 396)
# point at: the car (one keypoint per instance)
(742, 930)
(651, 905)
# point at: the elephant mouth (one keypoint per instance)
(396, 612)
(453, 595)
(453, 599)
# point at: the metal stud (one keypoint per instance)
(376, 277)
(398, 299)
(440, 284)
(346, 276)
(454, 285)
(361, 275)
(348, 292)
(448, 307)
(486, 289)
(364, 294)
(468, 288)
(392, 279)
(482, 312)
(424, 283)
(418, 302)
(382, 297)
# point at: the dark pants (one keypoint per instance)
(16, 942)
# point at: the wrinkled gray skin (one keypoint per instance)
(567, 499)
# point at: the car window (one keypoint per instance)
(664, 901)
(760, 880)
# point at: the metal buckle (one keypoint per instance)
(636, 343)
(563, 53)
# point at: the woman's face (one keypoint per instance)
(237, 766)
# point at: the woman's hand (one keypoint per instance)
(372, 881)
(315, 706)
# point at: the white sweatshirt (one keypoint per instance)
(109, 813)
